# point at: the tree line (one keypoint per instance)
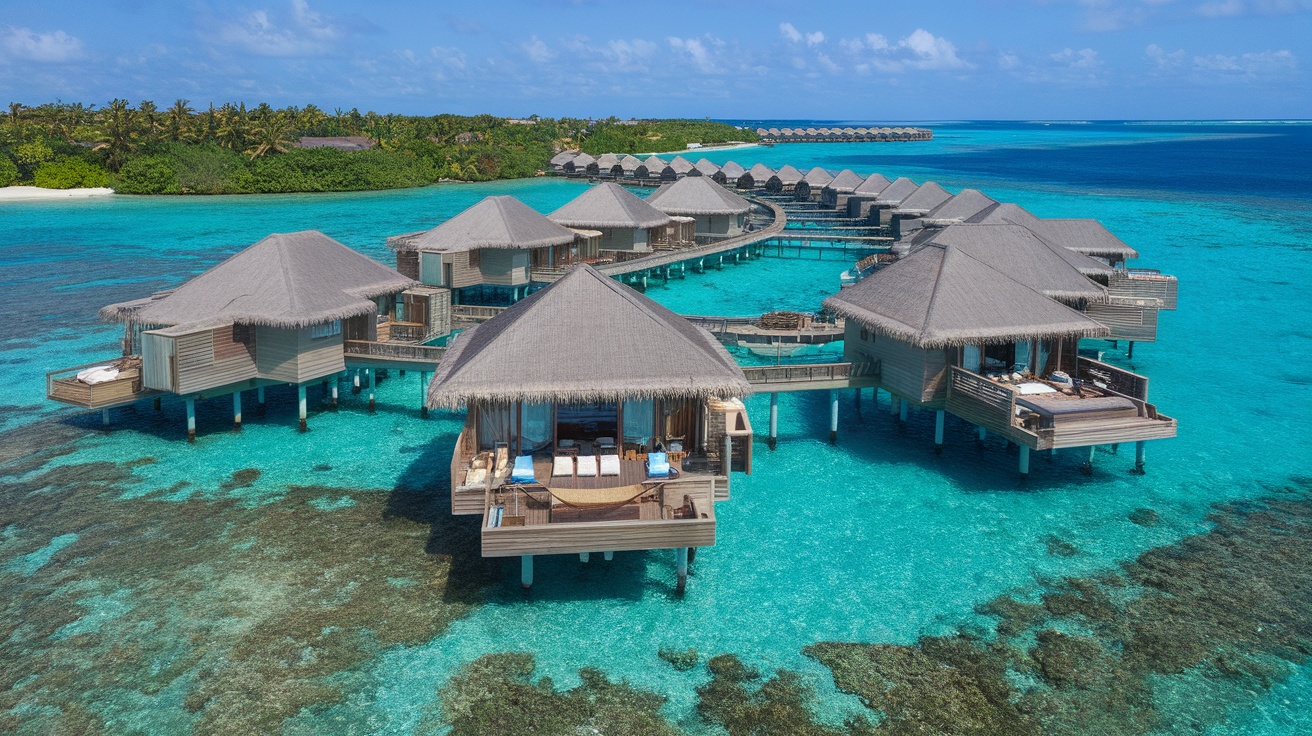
(232, 149)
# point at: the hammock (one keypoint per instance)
(598, 497)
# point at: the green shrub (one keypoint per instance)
(149, 175)
(71, 173)
(8, 171)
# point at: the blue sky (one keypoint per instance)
(869, 60)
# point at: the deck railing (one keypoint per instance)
(993, 405)
(810, 372)
(471, 313)
(1105, 375)
(405, 331)
(393, 351)
(62, 385)
(1145, 283)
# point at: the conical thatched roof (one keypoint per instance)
(697, 195)
(760, 173)
(630, 163)
(1024, 256)
(609, 205)
(608, 160)
(926, 197)
(495, 222)
(787, 175)
(655, 163)
(707, 168)
(818, 177)
(874, 184)
(563, 158)
(941, 297)
(732, 170)
(583, 160)
(898, 190)
(1006, 213)
(967, 204)
(681, 165)
(288, 280)
(585, 338)
(846, 181)
(1088, 237)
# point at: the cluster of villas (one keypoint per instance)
(598, 421)
(843, 135)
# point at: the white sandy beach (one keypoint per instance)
(30, 193)
(695, 151)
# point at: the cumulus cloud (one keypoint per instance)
(629, 55)
(1163, 59)
(919, 50)
(695, 49)
(790, 32)
(305, 33)
(536, 50)
(1082, 59)
(54, 47)
(1263, 63)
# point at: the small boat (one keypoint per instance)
(775, 350)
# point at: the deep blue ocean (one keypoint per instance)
(314, 581)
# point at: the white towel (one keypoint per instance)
(610, 464)
(587, 466)
(562, 465)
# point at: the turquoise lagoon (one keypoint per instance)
(875, 539)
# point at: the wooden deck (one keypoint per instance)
(63, 386)
(812, 376)
(389, 354)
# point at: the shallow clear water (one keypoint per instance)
(875, 539)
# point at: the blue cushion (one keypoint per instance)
(523, 472)
(658, 465)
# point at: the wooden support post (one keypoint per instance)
(681, 567)
(335, 385)
(157, 403)
(1140, 454)
(892, 404)
(104, 417)
(191, 420)
(1087, 466)
(300, 404)
(583, 557)
(323, 391)
(373, 385)
(355, 381)
(980, 434)
(526, 571)
(902, 405)
(1129, 354)
(856, 401)
(423, 394)
(608, 556)
(1024, 460)
(938, 431)
(774, 419)
(236, 411)
(833, 416)
(259, 398)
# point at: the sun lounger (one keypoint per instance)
(587, 466)
(610, 464)
(606, 443)
(562, 465)
(476, 477)
(523, 472)
(658, 465)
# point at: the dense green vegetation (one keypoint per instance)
(235, 150)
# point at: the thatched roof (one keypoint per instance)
(1006, 213)
(495, 222)
(818, 177)
(926, 197)
(563, 158)
(655, 163)
(941, 297)
(609, 205)
(895, 192)
(787, 175)
(585, 338)
(846, 181)
(706, 167)
(697, 195)
(761, 173)
(968, 203)
(582, 160)
(732, 170)
(1088, 237)
(681, 165)
(1024, 256)
(288, 280)
(630, 163)
(873, 184)
(608, 160)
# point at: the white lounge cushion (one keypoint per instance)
(587, 466)
(610, 464)
(562, 465)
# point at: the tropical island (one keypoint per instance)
(233, 149)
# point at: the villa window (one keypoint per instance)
(327, 329)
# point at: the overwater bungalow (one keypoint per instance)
(960, 208)
(784, 181)
(717, 212)
(834, 195)
(629, 164)
(608, 165)
(916, 205)
(655, 167)
(596, 421)
(755, 177)
(809, 187)
(863, 197)
(704, 167)
(681, 166)
(492, 252)
(582, 165)
(957, 326)
(728, 174)
(294, 308)
(888, 198)
(628, 225)
(559, 160)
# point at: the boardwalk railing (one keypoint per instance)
(469, 313)
(393, 351)
(811, 372)
(406, 331)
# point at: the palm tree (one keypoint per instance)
(273, 136)
(178, 117)
(16, 112)
(150, 120)
(120, 129)
(234, 126)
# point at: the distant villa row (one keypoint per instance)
(843, 135)
(598, 421)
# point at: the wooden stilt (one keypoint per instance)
(191, 420)
(336, 384)
(104, 417)
(1024, 460)
(355, 381)
(681, 567)
(583, 557)
(1129, 354)
(259, 398)
(774, 419)
(902, 405)
(157, 403)
(608, 556)
(423, 394)
(938, 431)
(373, 388)
(980, 434)
(300, 402)
(1140, 454)
(236, 411)
(833, 416)
(1087, 466)
(526, 571)
(892, 404)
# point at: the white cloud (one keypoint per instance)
(1221, 8)
(932, 52)
(1008, 61)
(536, 50)
(696, 51)
(790, 32)
(306, 33)
(630, 55)
(28, 45)
(920, 50)
(1082, 59)
(1164, 60)
(1248, 65)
